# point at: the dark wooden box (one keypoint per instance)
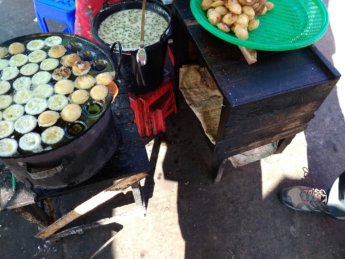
(269, 101)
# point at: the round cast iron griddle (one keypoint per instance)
(67, 39)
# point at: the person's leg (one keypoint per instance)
(336, 200)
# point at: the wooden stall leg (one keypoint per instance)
(282, 144)
(220, 170)
(138, 197)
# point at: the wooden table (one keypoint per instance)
(129, 162)
(269, 101)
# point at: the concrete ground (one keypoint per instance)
(190, 217)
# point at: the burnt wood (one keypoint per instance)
(269, 101)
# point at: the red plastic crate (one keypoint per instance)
(152, 109)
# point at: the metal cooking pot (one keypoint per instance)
(139, 79)
(74, 161)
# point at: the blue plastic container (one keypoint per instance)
(62, 11)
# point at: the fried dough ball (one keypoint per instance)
(229, 18)
(104, 78)
(64, 86)
(57, 51)
(71, 112)
(206, 4)
(85, 81)
(223, 27)
(221, 9)
(80, 68)
(69, 60)
(253, 24)
(99, 92)
(242, 20)
(235, 8)
(249, 11)
(213, 16)
(240, 32)
(80, 96)
(48, 118)
(16, 48)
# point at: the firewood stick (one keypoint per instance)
(90, 204)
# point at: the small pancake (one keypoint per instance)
(8, 147)
(5, 101)
(69, 60)
(61, 73)
(57, 51)
(36, 106)
(5, 86)
(3, 52)
(18, 60)
(80, 96)
(85, 81)
(48, 118)
(43, 91)
(9, 73)
(52, 135)
(37, 56)
(3, 63)
(64, 87)
(104, 78)
(53, 41)
(16, 48)
(49, 64)
(21, 83)
(6, 128)
(99, 92)
(41, 77)
(71, 112)
(35, 45)
(22, 96)
(57, 102)
(30, 142)
(13, 112)
(80, 68)
(29, 69)
(25, 124)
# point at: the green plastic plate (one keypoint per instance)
(292, 24)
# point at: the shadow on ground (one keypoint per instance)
(233, 219)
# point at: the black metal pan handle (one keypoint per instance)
(42, 173)
(116, 56)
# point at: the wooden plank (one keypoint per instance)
(245, 139)
(250, 55)
(117, 188)
(256, 125)
(225, 149)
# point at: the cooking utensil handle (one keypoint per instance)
(118, 57)
(142, 27)
(44, 173)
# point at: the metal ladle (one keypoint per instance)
(141, 54)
